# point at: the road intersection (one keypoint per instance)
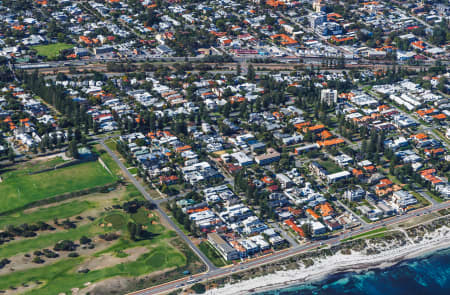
(215, 272)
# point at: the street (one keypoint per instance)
(161, 212)
(214, 272)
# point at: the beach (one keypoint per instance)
(355, 262)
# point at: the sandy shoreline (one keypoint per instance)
(338, 263)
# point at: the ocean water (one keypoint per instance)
(428, 274)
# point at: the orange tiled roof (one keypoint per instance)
(330, 142)
(312, 213)
(183, 148)
(440, 116)
(294, 227)
(419, 136)
(287, 40)
(325, 134)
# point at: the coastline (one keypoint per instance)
(338, 264)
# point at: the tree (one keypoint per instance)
(132, 229)
(73, 150)
(307, 230)
(11, 155)
(251, 73)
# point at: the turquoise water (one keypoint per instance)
(428, 274)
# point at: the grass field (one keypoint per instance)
(373, 233)
(51, 50)
(165, 251)
(20, 188)
(62, 275)
(44, 214)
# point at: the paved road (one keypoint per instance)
(427, 196)
(163, 214)
(214, 272)
(286, 253)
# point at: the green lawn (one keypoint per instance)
(330, 166)
(109, 162)
(117, 220)
(212, 254)
(133, 170)
(51, 50)
(45, 214)
(133, 193)
(373, 233)
(19, 188)
(141, 216)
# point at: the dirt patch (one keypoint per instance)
(108, 259)
(20, 262)
(45, 158)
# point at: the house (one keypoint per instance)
(317, 169)
(103, 49)
(164, 50)
(168, 180)
(227, 252)
(329, 96)
(271, 156)
(318, 228)
(284, 181)
(402, 200)
(355, 195)
(295, 228)
(343, 160)
(332, 224)
(332, 178)
(312, 214)
(306, 148)
(242, 158)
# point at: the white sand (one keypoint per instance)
(339, 263)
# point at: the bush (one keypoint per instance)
(199, 288)
(65, 245)
(38, 260)
(109, 236)
(73, 254)
(50, 254)
(4, 262)
(85, 240)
